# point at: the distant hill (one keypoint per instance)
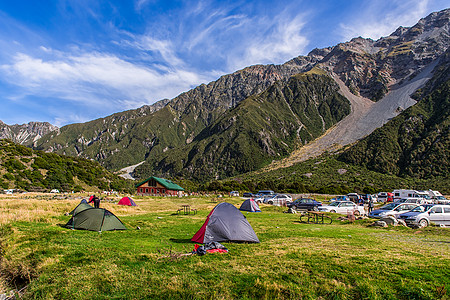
(30, 170)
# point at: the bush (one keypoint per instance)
(9, 176)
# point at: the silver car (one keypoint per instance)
(279, 200)
(413, 200)
(437, 214)
(343, 207)
(392, 209)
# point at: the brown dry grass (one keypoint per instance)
(41, 207)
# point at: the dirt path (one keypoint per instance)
(364, 118)
(129, 170)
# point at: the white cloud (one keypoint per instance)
(381, 18)
(284, 42)
(96, 78)
(234, 40)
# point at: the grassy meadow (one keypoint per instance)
(293, 261)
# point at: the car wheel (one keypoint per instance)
(332, 211)
(356, 213)
(270, 202)
(315, 208)
(423, 223)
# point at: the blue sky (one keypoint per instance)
(69, 61)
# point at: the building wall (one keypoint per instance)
(154, 188)
(158, 190)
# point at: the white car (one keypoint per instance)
(279, 200)
(414, 200)
(343, 207)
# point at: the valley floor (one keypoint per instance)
(294, 260)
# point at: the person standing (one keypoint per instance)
(96, 202)
(370, 205)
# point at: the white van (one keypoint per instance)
(400, 194)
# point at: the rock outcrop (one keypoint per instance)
(25, 134)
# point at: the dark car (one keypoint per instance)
(305, 203)
(247, 195)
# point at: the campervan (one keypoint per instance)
(434, 194)
(400, 194)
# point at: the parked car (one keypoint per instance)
(247, 195)
(343, 207)
(367, 197)
(410, 216)
(437, 214)
(440, 200)
(412, 200)
(305, 203)
(354, 197)
(262, 198)
(234, 194)
(263, 193)
(278, 200)
(392, 209)
(385, 197)
(340, 198)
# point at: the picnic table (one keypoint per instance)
(186, 210)
(315, 217)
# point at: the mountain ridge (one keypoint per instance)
(368, 68)
(25, 134)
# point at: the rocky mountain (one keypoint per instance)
(417, 142)
(25, 134)
(369, 68)
(199, 126)
(130, 137)
(260, 128)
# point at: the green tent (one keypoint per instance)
(95, 219)
(80, 207)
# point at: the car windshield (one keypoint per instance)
(419, 209)
(389, 206)
(336, 203)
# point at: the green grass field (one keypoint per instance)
(293, 261)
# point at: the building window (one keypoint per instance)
(146, 191)
(157, 191)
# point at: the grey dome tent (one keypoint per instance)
(95, 219)
(225, 223)
(250, 205)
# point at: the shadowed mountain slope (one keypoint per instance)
(195, 122)
(259, 129)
